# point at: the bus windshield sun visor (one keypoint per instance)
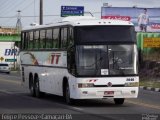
(105, 34)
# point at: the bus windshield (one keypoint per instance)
(105, 34)
(100, 60)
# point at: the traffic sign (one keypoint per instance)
(1, 59)
(10, 60)
(72, 11)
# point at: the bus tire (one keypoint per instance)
(119, 101)
(38, 93)
(31, 86)
(68, 100)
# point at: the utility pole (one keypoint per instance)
(41, 13)
(18, 28)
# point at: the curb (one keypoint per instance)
(15, 71)
(150, 88)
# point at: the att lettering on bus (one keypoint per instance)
(55, 58)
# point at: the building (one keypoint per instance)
(9, 40)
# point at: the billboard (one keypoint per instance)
(9, 38)
(8, 53)
(148, 40)
(9, 35)
(144, 19)
(149, 46)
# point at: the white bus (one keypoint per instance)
(81, 58)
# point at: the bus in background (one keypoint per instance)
(81, 58)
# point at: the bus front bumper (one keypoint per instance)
(99, 93)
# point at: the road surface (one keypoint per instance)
(14, 99)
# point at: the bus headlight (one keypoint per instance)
(132, 84)
(85, 85)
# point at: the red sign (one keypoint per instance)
(155, 26)
(55, 58)
(125, 18)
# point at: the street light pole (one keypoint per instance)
(41, 13)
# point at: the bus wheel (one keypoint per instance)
(38, 93)
(119, 101)
(31, 87)
(67, 95)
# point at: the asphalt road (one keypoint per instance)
(14, 99)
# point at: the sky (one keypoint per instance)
(51, 9)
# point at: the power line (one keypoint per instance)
(12, 8)
(13, 5)
(27, 5)
(9, 17)
(29, 16)
(7, 6)
(10, 20)
(17, 5)
(2, 4)
(34, 9)
(43, 15)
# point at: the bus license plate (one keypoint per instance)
(108, 92)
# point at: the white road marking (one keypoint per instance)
(5, 91)
(11, 81)
(76, 108)
(144, 104)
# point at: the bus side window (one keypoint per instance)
(23, 41)
(56, 38)
(71, 53)
(26, 40)
(36, 39)
(31, 41)
(64, 33)
(49, 38)
(42, 39)
(70, 38)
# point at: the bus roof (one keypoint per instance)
(82, 21)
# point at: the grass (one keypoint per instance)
(153, 84)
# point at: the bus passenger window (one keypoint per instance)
(27, 40)
(31, 42)
(64, 37)
(42, 39)
(70, 37)
(56, 38)
(22, 41)
(36, 39)
(49, 38)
